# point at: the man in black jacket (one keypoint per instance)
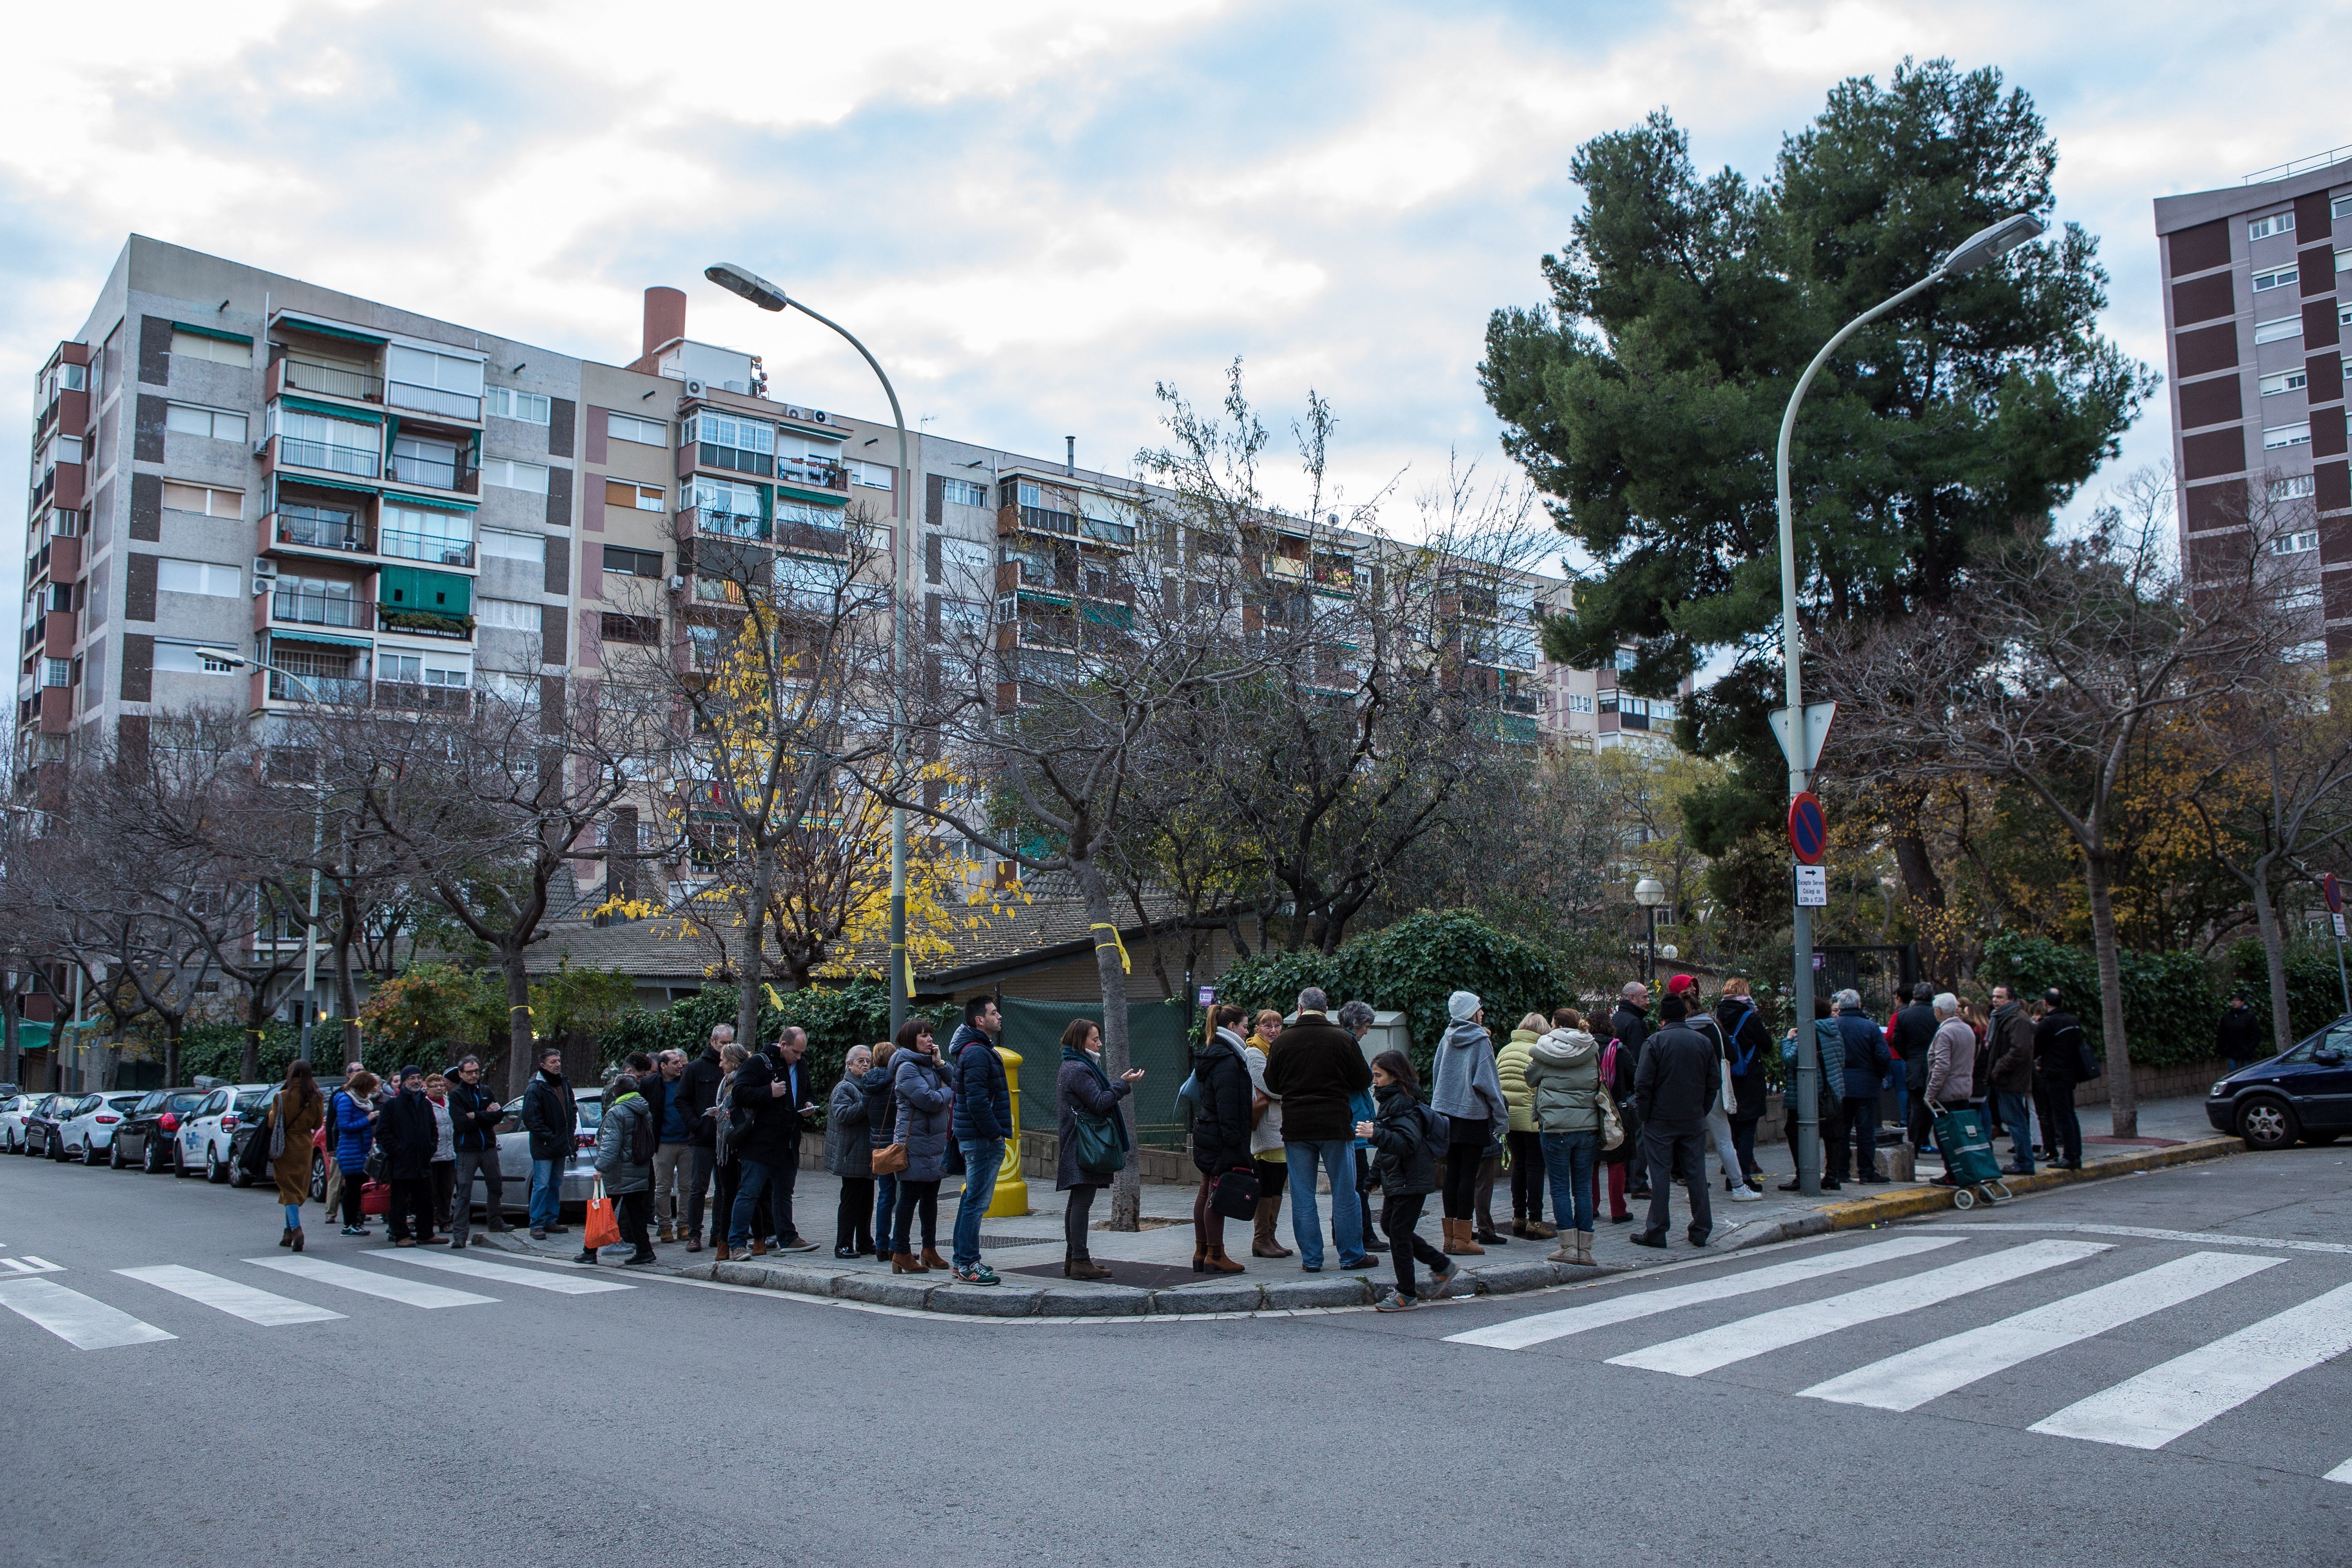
(1315, 1067)
(1912, 1031)
(2240, 1038)
(473, 1119)
(771, 1147)
(1677, 1082)
(551, 1117)
(696, 1095)
(1629, 1025)
(409, 1137)
(793, 1102)
(2057, 1067)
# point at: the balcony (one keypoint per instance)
(726, 524)
(457, 474)
(359, 462)
(1037, 520)
(328, 532)
(411, 697)
(1102, 531)
(432, 400)
(811, 474)
(346, 382)
(310, 608)
(811, 536)
(433, 549)
(339, 691)
(425, 623)
(1284, 567)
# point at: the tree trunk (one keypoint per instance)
(1127, 1187)
(2273, 956)
(747, 999)
(347, 996)
(519, 1066)
(2123, 1100)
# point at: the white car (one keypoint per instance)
(12, 1121)
(90, 1132)
(208, 1132)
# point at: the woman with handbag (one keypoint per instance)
(1221, 1141)
(881, 1130)
(849, 1156)
(1563, 1080)
(294, 1115)
(1094, 1139)
(725, 1167)
(351, 1130)
(918, 1080)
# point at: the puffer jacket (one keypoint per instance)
(1563, 1079)
(983, 1100)
(1083, 1086)
(1399, 1149)
(925, 1098)
(353, 1134)
(881, 1111)
(1220, 1126)
(1465, 1087)
(1831, 1046)
(1511, 1068)
(620, 1120)
(1951, 1063)
(847, 1152)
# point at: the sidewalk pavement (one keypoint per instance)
(1151, 1267)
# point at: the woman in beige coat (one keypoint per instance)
(301, 1109)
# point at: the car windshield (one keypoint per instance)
(125, 1101)
(185, 1101)
(591, 1113)
(253, 1099)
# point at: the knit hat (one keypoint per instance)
(1461, 1005)
(410, 1070)
(1681, 984)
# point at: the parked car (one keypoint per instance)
(90, 1131)
(2304, 1093)
(151, 1132)
(579, 1172)
(41, 1123)
(207, 1132)
(13, 1111)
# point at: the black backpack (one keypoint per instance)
(641, 1135)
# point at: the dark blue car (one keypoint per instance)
(2304, 1094)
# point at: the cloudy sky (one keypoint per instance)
(1033, 209)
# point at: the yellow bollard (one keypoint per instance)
(1010, 1198)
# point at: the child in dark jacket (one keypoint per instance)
(1401, 1138)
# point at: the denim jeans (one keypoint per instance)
(1862, 1137)
(981, 1156)
(2017, 1115)
(751, 1185)
(1339, 1158)
(1568, 1160)
(546, 1192)
(886, 1209)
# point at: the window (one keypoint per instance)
(519, 691)
(963, 492)
(633, 563)
(214, 424)
(2284, 380)
(499, 544)
(2294, 543)
(2340, 208)
(2277, 222)
(2299, 487)
(506, 615)
(57, 672)
(315, 441)
(198, 577)
(420, 534)
(1579, 704)
(2279, 331)
(203, 501)
(645, 432)
(510, 475)
(1661, 709)
(873, 475)
(2286, 436)
(220, 350)
(182, 658)
(803, 580)
(641, 498)
(2278, 278)
(1625, 659)
(419, 460)
(530, 407)
(722, 506)
(434, 383)
(642, 630)
(404, 668)
(965, 565)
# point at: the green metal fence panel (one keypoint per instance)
(1156, 1036)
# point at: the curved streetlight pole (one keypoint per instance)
(1986, 245)
(750, 286)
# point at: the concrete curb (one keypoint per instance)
(1912, 1202)
(1221, 1295)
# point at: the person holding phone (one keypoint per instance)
(769, 1150)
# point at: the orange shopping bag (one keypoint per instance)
(604, 1230)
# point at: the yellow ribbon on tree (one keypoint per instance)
(1125, 964)
(773, 1000)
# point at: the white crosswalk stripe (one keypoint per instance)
(1719, 1347)
(392, 1287)
(2164, 1402)
(1907, 1381)
(504, 1273)
(237, 1300)
(75, 1318)
(1543, 1327)
(2342, 1472)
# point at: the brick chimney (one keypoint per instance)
(665, 318)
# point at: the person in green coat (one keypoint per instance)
(1522, 1140)
(1563, 1080)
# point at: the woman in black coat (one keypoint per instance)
(1084, 1089)
(1220, 1133)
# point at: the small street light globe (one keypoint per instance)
(1648, 892)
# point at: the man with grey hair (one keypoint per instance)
(1356, 1017)
(1316, 1069)
(1951, 1062)
(1866, 1065)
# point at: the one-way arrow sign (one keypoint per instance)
(1817, 731)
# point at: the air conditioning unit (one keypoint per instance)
(263, 566)
(817, 416)
(693, 387)
(677, 583)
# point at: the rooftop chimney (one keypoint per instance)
(665, 318)
(1070, 457)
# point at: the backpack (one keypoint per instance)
(641, 1146)
(1436, 1135)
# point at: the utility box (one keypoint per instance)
(1388, 1033)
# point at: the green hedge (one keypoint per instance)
(2171, 1006)
(1412, 967)
(2314, 991)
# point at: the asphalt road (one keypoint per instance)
(2178, 1337)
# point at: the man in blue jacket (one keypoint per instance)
(1867, 1061)
(983, 1121)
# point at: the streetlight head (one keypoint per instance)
(750, 285)
(222, 656)
(1648, 892)
(1990, 244)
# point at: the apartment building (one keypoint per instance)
(2254, 331)
(387, 508)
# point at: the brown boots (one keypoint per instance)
(668, 1233)
(931, 1259)
(1459, 1242)
(759, 1249)
(1083, 1268)
(1264, 1244)
(720, 1252)
(1533, 1229)
(907, 1263)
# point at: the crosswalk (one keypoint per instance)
(87, 1323)
(2147, 1410)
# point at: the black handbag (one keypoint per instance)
(1233, 1194)
(254, 1160)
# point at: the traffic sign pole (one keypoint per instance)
(2334, 890)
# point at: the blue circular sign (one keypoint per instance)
(1809, 830)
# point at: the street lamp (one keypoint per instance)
(1648, 892)
(1988, 244)
(318, 838)
(749, 285)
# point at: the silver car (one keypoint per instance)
(579, 1171)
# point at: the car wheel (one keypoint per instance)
(57, 1149)
(318, 1178)
(214, 1171)
(114, 1160)
(2267, 1123)
(150, 1158)
(2318, 1140)
(180, 1162)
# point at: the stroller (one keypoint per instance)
(1969, 1158)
